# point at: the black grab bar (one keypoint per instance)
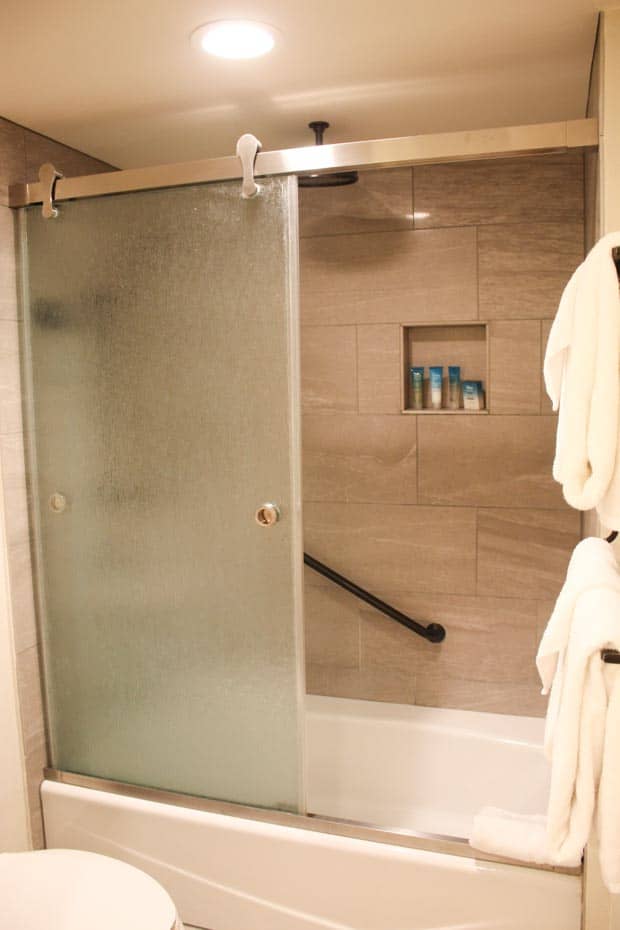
(434, 632)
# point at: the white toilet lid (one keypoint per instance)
(67, 889)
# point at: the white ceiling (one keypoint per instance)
(119, 79)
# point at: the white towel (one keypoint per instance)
(515, 836)
(593, 564)
(582, 727)
(581, 367)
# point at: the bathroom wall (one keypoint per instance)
(21, 153)
(451, 518)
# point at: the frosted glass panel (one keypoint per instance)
(160, 348)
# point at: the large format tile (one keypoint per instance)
(328, 368)
(524, 269)
(33, 732)
(331, 624)
(36, 761)
(518, 190)
(387, 667)
(390, 548)
(22, 597)
(515, 366)
(8, 277)
(487, 461)
(525, 553)
(486, 661)
(10, 379)
(381, 200)
(379, 370)
(389, 277)
(40, 149)
(12, 460)
(12, 158)
(359, 458)
(363, 684)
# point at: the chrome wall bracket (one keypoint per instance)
(48, 175)
(248, 148)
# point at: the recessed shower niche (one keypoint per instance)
(452, 344)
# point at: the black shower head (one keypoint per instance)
(334, 178)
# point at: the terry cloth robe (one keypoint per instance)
(582, 727)
(581, 371)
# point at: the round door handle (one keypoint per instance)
(267, 515)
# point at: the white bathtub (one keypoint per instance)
(421, 768)
(405, 768)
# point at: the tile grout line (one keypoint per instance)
(357, 367)
(433, 228)
(476, 552)
(417, 462)
(472, 321)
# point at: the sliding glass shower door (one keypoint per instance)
(161, 358)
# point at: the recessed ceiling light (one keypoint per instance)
(234, 38)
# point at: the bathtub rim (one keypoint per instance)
(428, 842)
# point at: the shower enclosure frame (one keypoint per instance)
(503, 142)
(464, 146)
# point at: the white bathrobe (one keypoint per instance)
(582, 728)
(581, 369)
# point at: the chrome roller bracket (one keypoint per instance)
(248, 148)
(48, 175)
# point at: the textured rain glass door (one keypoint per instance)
(160, 351)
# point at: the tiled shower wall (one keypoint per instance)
(453, 519)
(21, 154)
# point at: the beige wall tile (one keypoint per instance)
(33, 729)
(518, 190)
(524, 269)
(379, 369)
(515, 366)
(521, 697)
(390, 548)
(36, 760)
(40, 149)
(12, 158)
(389, 277)
(331, 621)
(487, 461)
(387, 661)
(328, 369)
(15, 494)
(22, 597)
(381, 200)
(30, 694)
(486, 661)
(10, 381)
(525, 553)
(544, 609)
(359, 458)
(387, 669)
(360, 684)
(8, 281)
